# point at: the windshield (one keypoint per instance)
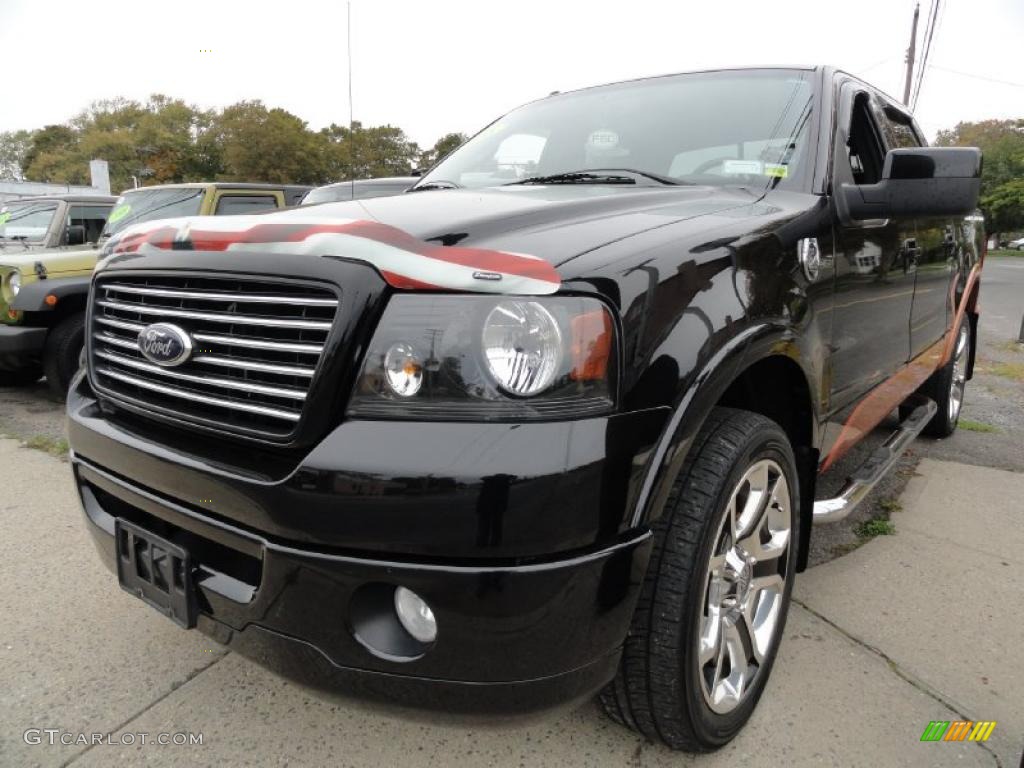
(148, 204)
(26, 221)
(732, 127)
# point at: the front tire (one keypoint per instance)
(715, 597)
(62, 353)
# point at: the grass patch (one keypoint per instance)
(976, 426)
(54, 446)
(1006, 252)
(1011, 370)
(1011, 346)
(890, 505)
(876, 526)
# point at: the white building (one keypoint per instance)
(99, 172)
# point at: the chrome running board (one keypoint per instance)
(867, 475)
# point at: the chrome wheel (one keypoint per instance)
(745, 586)
(959, 379)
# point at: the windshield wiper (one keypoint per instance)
(599, 176)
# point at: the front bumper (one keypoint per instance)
(514, 633)
(20, 346)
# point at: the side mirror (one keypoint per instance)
(917, 181)
(74, 235)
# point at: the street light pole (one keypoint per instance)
(911, 50)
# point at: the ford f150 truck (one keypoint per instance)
(549, 424)
(43, 292)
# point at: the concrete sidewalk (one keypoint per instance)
(910, 628)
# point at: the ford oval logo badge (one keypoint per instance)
(165, 344)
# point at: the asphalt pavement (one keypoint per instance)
(920, 626)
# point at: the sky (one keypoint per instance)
(435, 66)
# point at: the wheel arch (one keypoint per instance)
(734, 377)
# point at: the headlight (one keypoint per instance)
(14, 283)
(523, 346)
(477, 358)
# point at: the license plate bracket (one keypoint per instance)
(156, 571)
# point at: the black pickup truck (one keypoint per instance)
(550, 423)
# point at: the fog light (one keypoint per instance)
(415, 615)
(403, 369)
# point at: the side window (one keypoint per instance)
(898, 128)
(233, 205)
(92, 217)
(864, 146)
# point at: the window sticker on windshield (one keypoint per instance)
(603, 139)
(777, 170)
(4, 216)
(743, 166)
(118, 213)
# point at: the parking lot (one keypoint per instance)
(884, 636)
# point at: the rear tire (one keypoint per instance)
(723, 561)
(62, 352)
(947, 386)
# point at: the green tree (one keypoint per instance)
(1002, 179)
(441, 149)
(257, 144)
(1004, 207)
(367, 153)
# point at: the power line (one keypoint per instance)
(986, 78)
(928, 32)
(933, 21)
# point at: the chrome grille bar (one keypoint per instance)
(272, 346)
(185, 394)
(216, 317)
(244, 298)
(213, 381)
(226, 362)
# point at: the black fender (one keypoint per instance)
(702, 393)
(32, 297)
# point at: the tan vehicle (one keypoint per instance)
(43, 291)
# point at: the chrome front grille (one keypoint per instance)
(257, 345)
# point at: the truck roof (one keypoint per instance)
(227, 184)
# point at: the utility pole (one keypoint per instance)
(910, 56)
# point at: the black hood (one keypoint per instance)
(556, 222)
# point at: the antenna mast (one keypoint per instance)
(351, 109)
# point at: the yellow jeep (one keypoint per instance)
(43, 292)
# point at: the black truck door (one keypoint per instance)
(875, 264)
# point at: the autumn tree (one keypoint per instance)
(165, 140)
(260, 144)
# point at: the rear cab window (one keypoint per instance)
(234, 205)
